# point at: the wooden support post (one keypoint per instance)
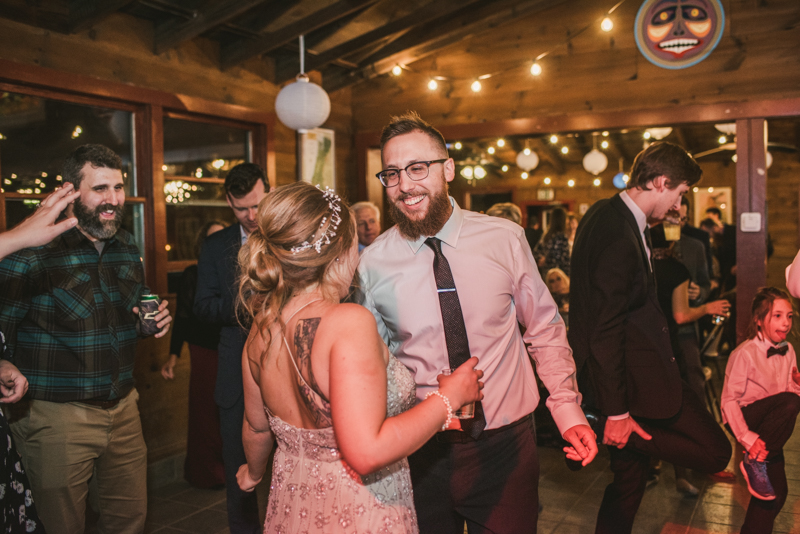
(751, 197)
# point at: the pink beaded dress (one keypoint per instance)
(313, 489)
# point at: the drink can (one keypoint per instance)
(148, 309)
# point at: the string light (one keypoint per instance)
(607, 25)
(77, 132)
(397, 70)
(647, 135)
(490, 150)
(501, 142)
(695, 189)
(218, 163)
(504, 168)
(571, 183)
(710, 189)
(604, 144)
(526, 151)
(479, 172)
(596, 182)
(524, 175)
(164, 168)
(433, 84)
(564, 150)
(605, 133)
(723, 139)
(458, 145)
(554, 139)
(547, 181)
(536, 68)
(476, 86)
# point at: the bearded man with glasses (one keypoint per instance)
(445, 284)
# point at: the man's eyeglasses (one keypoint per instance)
(416, 171)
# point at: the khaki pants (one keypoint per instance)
(64, 445)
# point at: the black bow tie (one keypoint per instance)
(772, 351)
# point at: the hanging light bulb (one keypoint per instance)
(536, 69)
(596, 182)
(547, 181)
(433, 84)
(604, 144)
(479, 172)
(302, 105)
(524, 175)
(647, 135)
(554, 139)
(505, 168)
(564, 149)
(571, 183)
(490, 150)
(466, 172)
(605, 133)
(526, 151)
(458, 145)
(501, 142)
(607, 24)
(476, 86)
(397, 70)
(722, 139)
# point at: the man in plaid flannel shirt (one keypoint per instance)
(69, 313)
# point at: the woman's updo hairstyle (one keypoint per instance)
(302, 232)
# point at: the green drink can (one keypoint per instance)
(148, 309)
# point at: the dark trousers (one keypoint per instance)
(691, 438)
(491, 483)
(242, 507)
(773, 419)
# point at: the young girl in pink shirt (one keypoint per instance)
(760, 404)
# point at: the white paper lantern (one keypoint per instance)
(303, 105)
(527, 162)
(595, 162)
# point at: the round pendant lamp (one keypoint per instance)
(302, 105)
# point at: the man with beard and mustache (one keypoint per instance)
(69, 310)
(483, 470)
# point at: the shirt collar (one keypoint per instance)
(449, 232)
(74, 238)
(638, 214)
(244, 234)
(765, 344)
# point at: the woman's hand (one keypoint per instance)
(463, 386)
(246, 482)
(718, 307)
(168, 370)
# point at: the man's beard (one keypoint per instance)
(90, 222)
(433, 221)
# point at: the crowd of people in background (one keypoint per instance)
(355, 352)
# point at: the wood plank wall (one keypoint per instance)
(120, 50)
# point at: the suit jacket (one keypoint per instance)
(702, 236)
(691, 254)
(619, 335)
(217, 287)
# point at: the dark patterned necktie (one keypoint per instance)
(455, 331)
(780, 349)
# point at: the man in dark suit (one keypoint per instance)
(621, 342)
(217, 287)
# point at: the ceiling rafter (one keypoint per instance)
(83, 14)
(213, 13)
(236, 53)
(436, 34)
(434, 9)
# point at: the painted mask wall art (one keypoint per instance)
(676, 34)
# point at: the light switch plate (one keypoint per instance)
(751, 222)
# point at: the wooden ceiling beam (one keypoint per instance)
(436, 34)
(83, 14)
(236, 53)
(212, 14)
(433, 10)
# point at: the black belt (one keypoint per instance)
(459, 436)
(105, 404)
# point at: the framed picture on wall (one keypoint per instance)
(713, 197)
(316, 157)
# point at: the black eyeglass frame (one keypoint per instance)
(427, 164)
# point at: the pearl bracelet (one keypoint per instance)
(446, 404)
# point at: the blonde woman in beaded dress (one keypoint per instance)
(319, 380)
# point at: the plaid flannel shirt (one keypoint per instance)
(66, 313)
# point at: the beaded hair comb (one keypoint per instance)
(334, 220)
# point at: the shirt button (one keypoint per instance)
(664, 329)
(672, 359)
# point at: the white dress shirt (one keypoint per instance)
(751, 376)
(498, 285)
(641, 222)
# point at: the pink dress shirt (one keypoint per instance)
(498, 286)
(751, 376)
